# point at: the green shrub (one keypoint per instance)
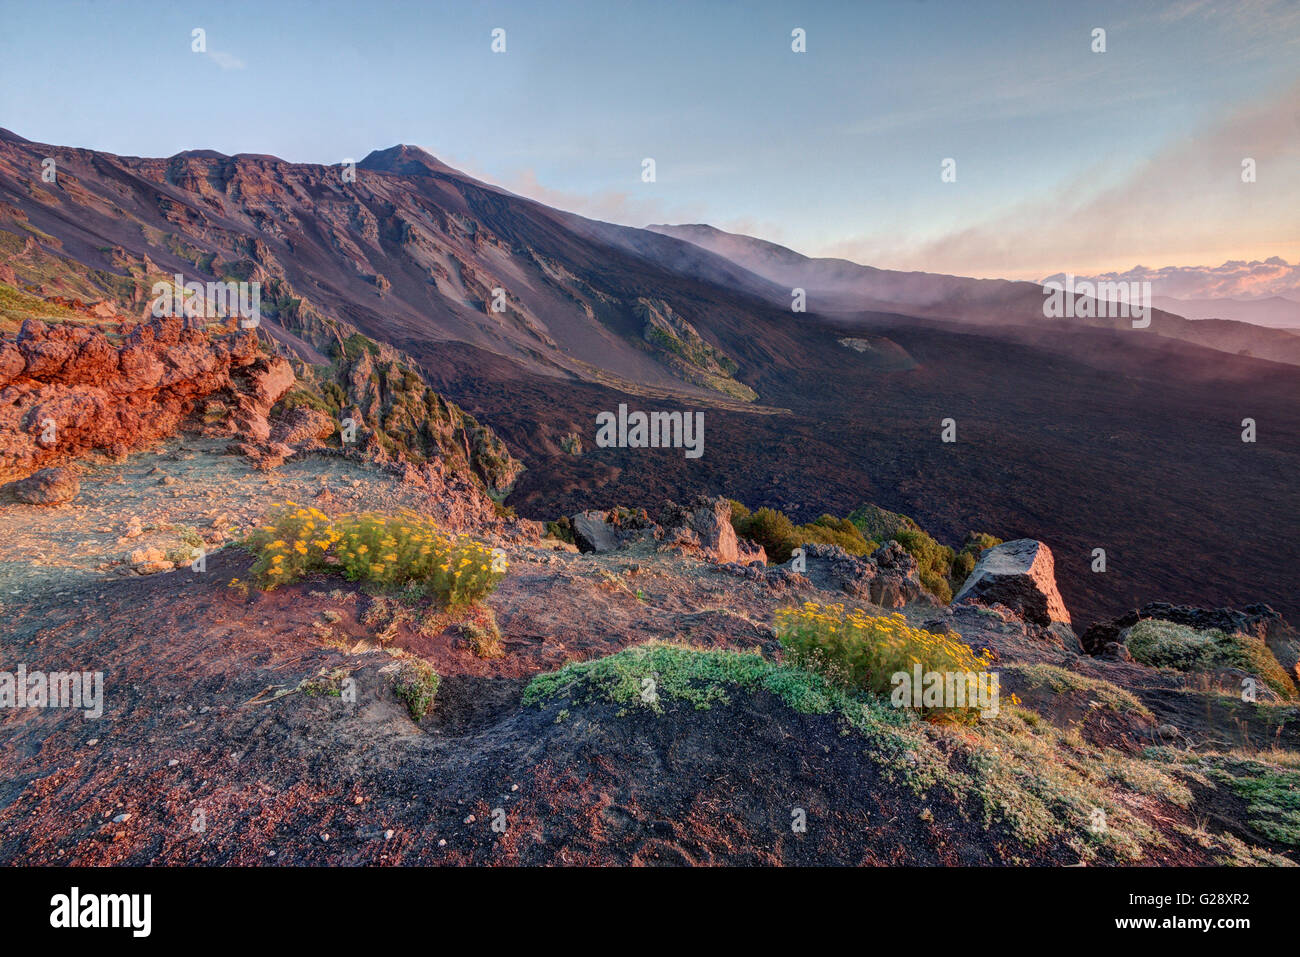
(1164, 644)
(562, 529)
(416, 685)
(879, 523)
(941, 570)
(302, 397)
(934, 561)
(964, 561)
(484, 637)
(779, 536)
(829, 530)
(352, 347)
(773, 530)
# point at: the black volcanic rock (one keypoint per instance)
(1258, 620)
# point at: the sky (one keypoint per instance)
(1066, 159)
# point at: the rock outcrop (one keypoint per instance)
(703, 525)
(607, 531)
(889, 577)
(1020, 575)
(67, 390)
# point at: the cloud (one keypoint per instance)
(1232, 280)
(227, 61)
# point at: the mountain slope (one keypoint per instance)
(411, 251)
(841, 287)
(1274, 312)
(1078, 436)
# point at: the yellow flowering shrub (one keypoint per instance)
(863, 651)
(387, 550)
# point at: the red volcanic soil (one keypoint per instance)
(221, 743)
(1081, 438)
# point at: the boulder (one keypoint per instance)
(1020, 575)
(149, 561)
(592, 533)
(704, 524)
(303, 426)
(750, 553)
(266, 381)
(597, 531)
(52, 486)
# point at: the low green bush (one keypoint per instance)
(779, 536)
(416, 685)
(1164, 644)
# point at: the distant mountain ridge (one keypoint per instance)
(844, 288)
(1273, 312)
(402, 248)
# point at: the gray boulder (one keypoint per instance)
(592, 532)
(705, 524)
(607, 531)
(1020, 575)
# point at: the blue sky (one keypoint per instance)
(1066, 159)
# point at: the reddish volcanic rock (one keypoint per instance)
(68, 390)
(47, 487)
(303, 426)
